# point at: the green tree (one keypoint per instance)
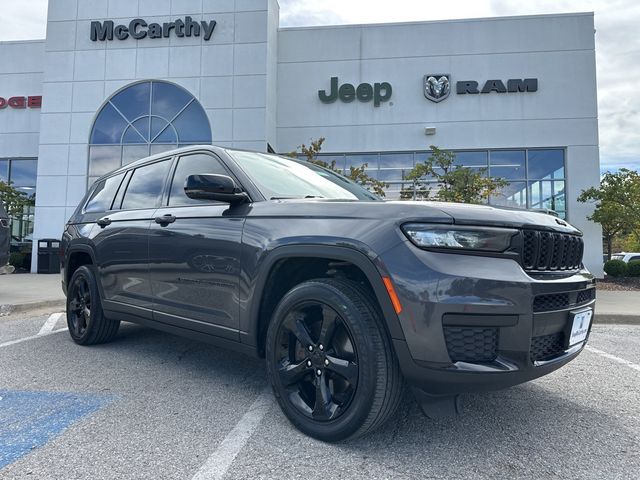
(14, 200)
(356, 174)
(439, 178)
(617, 205)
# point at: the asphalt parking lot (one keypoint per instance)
(154, 406)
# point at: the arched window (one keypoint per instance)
(144, 119)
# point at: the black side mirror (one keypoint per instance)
(219, 188)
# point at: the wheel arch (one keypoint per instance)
(75, 257)
(371, 269)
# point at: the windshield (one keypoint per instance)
(281, 178)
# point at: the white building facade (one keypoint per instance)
(121, 79)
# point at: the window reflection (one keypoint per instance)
(24, 173)
(508, 164)
(201, 163)
(103, 195)
(145, 186)
(525, 170)
(158, 115)
(546, 164)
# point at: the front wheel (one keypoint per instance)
(85, 317)
(330, 360)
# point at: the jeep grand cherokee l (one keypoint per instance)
(349, 298)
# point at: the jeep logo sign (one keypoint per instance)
(365, 92)
(139, 29)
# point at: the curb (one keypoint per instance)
(606, 318)
(25, 307)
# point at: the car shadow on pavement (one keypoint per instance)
(542, 429)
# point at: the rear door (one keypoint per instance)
(194, 255)
(121, 238)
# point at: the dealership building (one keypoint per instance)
(117, 80)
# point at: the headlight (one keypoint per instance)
(484, 239)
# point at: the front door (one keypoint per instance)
(194, 256)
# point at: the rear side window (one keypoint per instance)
(192, 165)
(145, 186)
(103, 195)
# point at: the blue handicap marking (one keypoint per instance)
(30, 419)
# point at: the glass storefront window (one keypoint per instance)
(24, 173)
(471, 159)
(535, 176)
(508, 164)
(144, 119)
(546, 164)
(21, 174)
(512, 195)
(4, 170)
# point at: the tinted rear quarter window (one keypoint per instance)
(145, 186)
(103, 195)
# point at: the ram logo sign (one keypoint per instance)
(437, 87)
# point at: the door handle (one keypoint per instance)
(103, 222)
(165, 219)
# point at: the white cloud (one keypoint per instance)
(617, 45)
(23, 19)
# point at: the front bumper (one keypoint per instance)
(475, 323)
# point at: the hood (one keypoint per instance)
(412, 211)
(466, 214)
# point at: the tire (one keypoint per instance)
(85, 317)
(346, 387)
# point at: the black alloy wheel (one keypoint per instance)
(79, 306)
(86, 320)
(318, 361)
(330, 360)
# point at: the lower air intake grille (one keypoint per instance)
(547, 346)
(468, 344)
(555, 301)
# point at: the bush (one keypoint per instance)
(633, 268)
(616, 268)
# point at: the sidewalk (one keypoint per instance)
(26, 291)
(20, 292)
(617, 307)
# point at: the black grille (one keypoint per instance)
(558, 301)
(468, 344)
(549, 251)
(586, 295)
(547, 346)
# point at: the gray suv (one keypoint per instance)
(348, 298)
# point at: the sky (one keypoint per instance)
(617, 45)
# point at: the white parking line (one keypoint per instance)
(614, 358)
(221, 459)
(32, 337)
(50, 323)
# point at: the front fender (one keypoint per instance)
(370, 265)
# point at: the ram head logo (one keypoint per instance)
(437, 87)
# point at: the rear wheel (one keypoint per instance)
(85, 317)
(330, 361)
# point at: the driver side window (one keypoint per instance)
(192, 165)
